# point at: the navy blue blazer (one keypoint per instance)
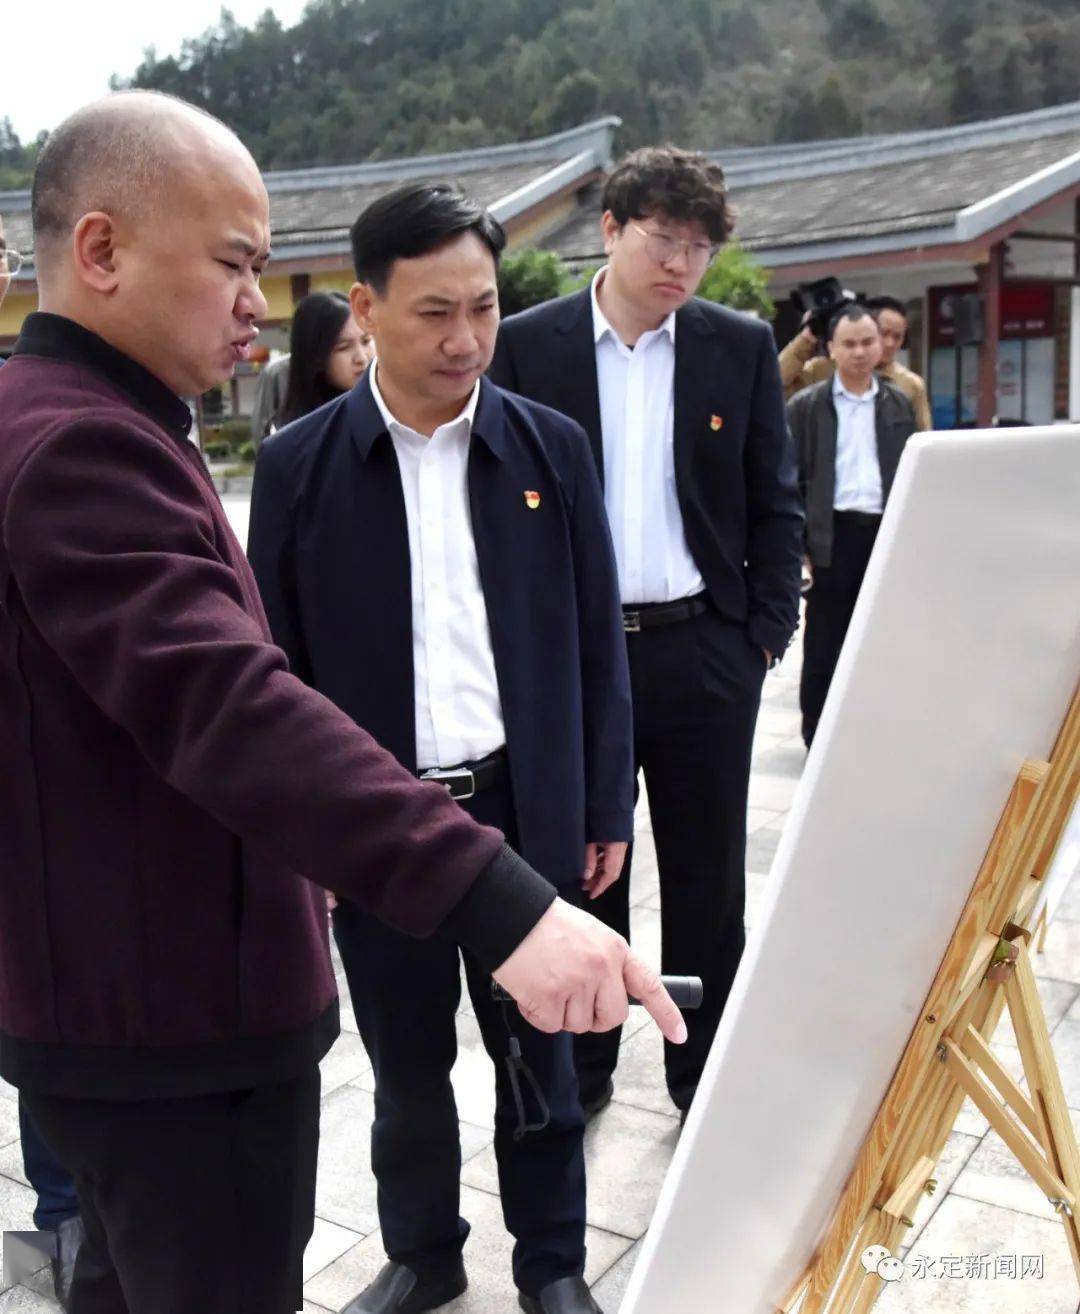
(735, 468)
(329, 547)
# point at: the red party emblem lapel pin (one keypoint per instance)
(532, 499)
(716, 423)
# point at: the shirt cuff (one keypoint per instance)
(500, 908)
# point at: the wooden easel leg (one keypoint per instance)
(1047, 1094)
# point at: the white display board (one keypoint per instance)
(962, 657)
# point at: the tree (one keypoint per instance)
(736, 279)
(527, 277)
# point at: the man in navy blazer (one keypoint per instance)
(433, 556)
(682, 403)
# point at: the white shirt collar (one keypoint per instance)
(601, 325)
(840, 391)
(468, 412)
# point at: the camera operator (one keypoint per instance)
(801, 365)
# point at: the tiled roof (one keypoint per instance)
(311, 210)
(882, 188)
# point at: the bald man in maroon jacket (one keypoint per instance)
(166, 785)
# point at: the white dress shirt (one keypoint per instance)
(858, 473)
(458, 712)
(637, 419)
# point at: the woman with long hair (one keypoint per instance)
(328, 351)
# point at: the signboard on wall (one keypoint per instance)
(1027, 311)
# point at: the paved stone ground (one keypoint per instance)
(986, 1206)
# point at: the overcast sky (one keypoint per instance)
(60, 53)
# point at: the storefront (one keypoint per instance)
(1026, 356)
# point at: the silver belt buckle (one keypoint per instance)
(446, 778)
(631, 622)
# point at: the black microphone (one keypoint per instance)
(686, 991)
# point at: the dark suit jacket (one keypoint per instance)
(734, 462)
(163, 778)
(330, 550)
(812, 416)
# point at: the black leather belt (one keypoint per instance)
(867, 519)
(647, 614)
(469, 778)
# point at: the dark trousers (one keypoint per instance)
(829, 606)
(696, 688)
(202, 1204)
(405, 993)
(50, 1180)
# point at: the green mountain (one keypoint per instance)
(370, 79)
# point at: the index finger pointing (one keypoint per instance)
(644, 984)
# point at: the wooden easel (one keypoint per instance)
(986, 968)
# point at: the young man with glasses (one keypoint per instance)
(682, 403)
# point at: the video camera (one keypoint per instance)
(822, 300)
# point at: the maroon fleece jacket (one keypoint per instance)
(165, 783)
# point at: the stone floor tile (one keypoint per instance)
(487, 1260)
(639, 1079)
(16, 1206)
(345, 1189)
(11, 1162)
(761, 848)
(756, 885)
(9, 1122)
(7, 1091)
(1066, 1046)
(21, 1300)
(756, 818)
(346, 1062)
(994, 1176)
(787, 759)
(645, 933)
(968, 1228)
(328, 1241)
(1069, 907)
(778, 721)
(611, 1288)
(1057, 998)
(627, 1153)
(310, 1308)
(1061, 957)
(772, 792)
(764, 742)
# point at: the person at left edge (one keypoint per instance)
(434, 557)
(57, 1207)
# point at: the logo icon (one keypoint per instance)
(532, 499)
(716, 423)
(878, 1260)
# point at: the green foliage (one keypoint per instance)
(527, 277)
(247, 452)
(235, 433)
(217, 451)
(372, 79)
(736, 279)
(16, 160)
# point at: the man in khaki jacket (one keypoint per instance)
(800, 366)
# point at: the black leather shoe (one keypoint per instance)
(69, 1237)
(595, 1103)
(569, 1295)
(398, 1290)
